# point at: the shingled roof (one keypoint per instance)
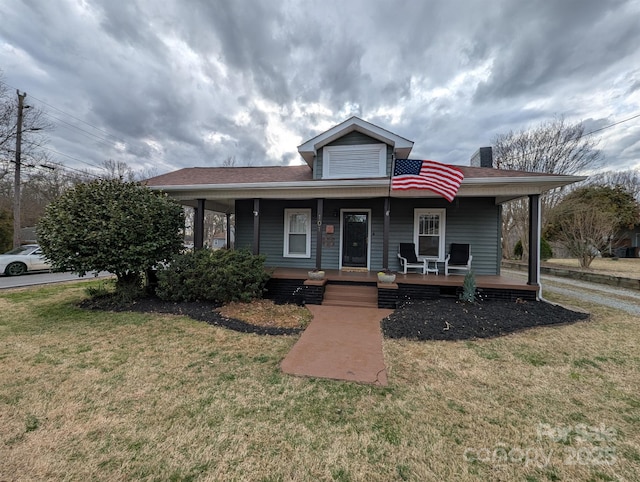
(232, 175)
(193, 176)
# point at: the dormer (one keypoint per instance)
(354, 149)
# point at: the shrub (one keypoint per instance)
(110, 225)
(545, 250)
(6, 231)
(468, 294)
(220, 276)
(517, 250)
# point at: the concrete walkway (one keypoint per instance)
(342, 343)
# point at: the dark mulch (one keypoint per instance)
(450, 319)
(200, 311)
(440, 319)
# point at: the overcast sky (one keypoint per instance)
(177, 83)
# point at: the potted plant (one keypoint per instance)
(316, 274)
(386, 276)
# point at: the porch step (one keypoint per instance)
(350, 295)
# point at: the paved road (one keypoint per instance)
(41, 278)
(611, 296)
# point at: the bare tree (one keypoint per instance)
(588, 220)
(118, 170)
(628, 180)
(553, 147)
(34, 126)
(229, 162)
(583, 229)
(214, 225)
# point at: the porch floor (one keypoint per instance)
(371, 277)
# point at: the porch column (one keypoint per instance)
(198, 225)
(385, 233)
(534, 240)
(228, 219)
(256, 226)
(319, 234)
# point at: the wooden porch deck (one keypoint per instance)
(371, 277)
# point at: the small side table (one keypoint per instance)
(432, 266)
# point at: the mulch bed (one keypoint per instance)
(440, 319)
(451, 319)
(200, 311)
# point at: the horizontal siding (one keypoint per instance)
(474, 221)
(477, 222)
(272, 233)
(354, 138)
(244, 224)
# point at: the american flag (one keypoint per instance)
(443, 179)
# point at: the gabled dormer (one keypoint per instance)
(354, 149)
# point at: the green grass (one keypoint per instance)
(130, 396)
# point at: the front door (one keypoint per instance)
(355, 239)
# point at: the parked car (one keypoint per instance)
(22, 259)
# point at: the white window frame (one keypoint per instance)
(287, 214)
(442, 227)
(377, 167)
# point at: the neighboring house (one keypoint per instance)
(338, 211)
(219, 240)
(628, 242)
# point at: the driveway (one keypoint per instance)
(611, 296)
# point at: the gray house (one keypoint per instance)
(338, 211)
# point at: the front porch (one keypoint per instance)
(293, 285)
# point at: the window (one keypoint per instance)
(357, 161)
(429, 233)
(297, 233)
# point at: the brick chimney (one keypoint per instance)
(482, 158)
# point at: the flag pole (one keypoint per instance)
(393, 168)
(386, 218)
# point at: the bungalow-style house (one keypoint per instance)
(339, 213)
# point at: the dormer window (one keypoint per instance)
(355, 161)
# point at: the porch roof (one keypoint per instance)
(220, 186)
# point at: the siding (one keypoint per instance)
(468, 220)
(331, 244)
(350, 139)
(272, 230)
(475, 221)
(244, 224)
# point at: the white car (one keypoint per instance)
(25, 258)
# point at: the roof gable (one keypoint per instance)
(402, 147)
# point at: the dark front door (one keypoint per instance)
(355, 239)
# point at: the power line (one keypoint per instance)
(70, 115)
(104, 140)
(611, 125)
(71, 157)
(67, 168)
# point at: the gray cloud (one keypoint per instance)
(173, 85)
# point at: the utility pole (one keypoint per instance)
(16, 184)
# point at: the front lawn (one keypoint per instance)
(132, 396)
